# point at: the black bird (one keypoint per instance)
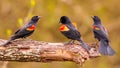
(70, 31)
(25, 31)
(101, 34)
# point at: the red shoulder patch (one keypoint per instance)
(63, 28)
(31, 28)
(94, 27)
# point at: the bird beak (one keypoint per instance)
(39, 16)
(92, 17)
(59, 22)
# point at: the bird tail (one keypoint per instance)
(84, 45)
(11, 39)
(105, 48)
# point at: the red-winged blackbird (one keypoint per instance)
(101, 34)
(26, 30)
(70, 31)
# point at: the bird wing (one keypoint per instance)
(17, 31)
(26, 26)
(104, 30)
(24, 30)
(74, 24)
(101, 32)
(74, 33)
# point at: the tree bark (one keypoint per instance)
(36, 51)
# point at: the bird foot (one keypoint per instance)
(69, 43)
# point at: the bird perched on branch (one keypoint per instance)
(70, 31)
(25, 31)
(101, 34)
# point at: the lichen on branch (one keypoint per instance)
(39, 51)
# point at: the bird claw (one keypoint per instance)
(69, 43)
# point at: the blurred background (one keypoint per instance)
(15, 13)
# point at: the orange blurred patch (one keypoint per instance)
(63, 28)
(96, 28)
(31, 28)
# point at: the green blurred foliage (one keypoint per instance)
(15, 13)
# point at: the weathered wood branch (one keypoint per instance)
(35, 51)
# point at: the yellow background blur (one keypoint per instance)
(14, 12)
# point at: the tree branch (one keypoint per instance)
(35, 51)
